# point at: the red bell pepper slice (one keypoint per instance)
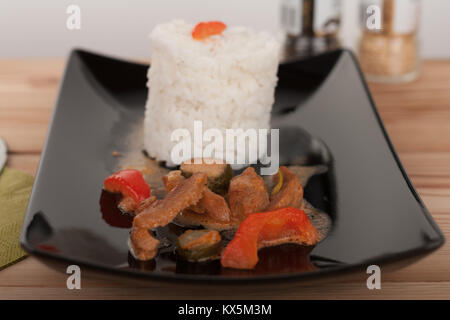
(204, 30)
(130, 183)
(287, 225)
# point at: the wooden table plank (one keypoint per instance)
(26, 162)
(27, 95)
(416, 115)
(51, 285)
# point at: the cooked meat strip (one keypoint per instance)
(128, 205)
(193, 219)
(159, 213)
(247, 194)
(172, 179)
(185, 194)
(142, 244)
(290, 194)
(151, 201)
(215, 206)
(211, 203)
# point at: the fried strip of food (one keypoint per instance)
(150, 201)
(185, 194)
(159, 213)
(211, 203)
(128, 205)
(172, 179)
(193, 219)
(290, 194)
(142, 244)
(215, 206)
(247, 194)
(288, 225)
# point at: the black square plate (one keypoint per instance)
(325, 114)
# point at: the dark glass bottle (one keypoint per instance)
(311, 26)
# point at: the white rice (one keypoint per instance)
(226, 81)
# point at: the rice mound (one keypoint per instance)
(225, 81)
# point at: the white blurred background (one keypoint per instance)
(120, 27)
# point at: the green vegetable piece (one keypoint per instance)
(199, 245)
(219, 174)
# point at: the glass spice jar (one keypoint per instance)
(389, 51)
(311, 26)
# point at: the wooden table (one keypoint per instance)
(417, 117)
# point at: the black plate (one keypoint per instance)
(326, 116)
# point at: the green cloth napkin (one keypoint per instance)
(15, 188)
